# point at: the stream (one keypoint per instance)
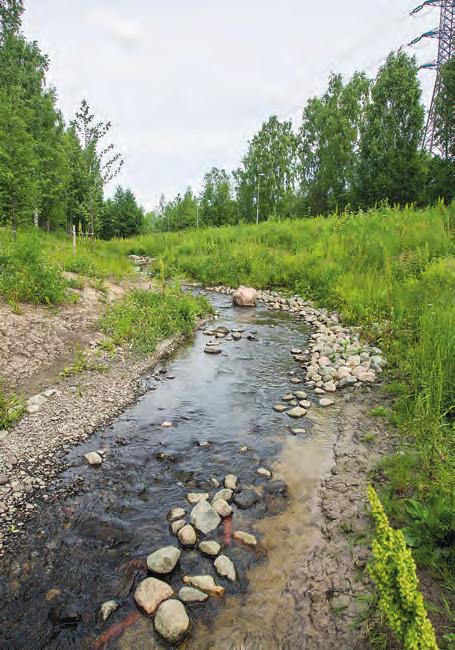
(92, 547)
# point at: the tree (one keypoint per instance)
(10, 18)
(217, 204)
(267, 173)
(328, 144)
(121, 216)
(179, 213)
(444, 123)
(23, 70)
(99, 165)
(18, 182)
(391, 165)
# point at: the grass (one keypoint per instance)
(12, 407)
(380, 412)
(32, 267)
(143, 318)
(28, 275)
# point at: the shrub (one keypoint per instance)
(394, 573)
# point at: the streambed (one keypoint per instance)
(92, 547)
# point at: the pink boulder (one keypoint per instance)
(245, 297)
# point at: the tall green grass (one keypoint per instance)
(27, 274)
(144, 318)
(31, 268)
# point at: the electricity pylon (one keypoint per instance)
(445, 34)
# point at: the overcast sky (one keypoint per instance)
(187, 82)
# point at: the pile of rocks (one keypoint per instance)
(336, 357)
(156, 597)
(141, 261)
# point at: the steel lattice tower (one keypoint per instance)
(446, 50)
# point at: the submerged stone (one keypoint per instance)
(204, 517)
(163, 560)
(171, 621)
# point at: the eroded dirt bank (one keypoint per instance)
(37, 342)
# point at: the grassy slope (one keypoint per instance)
(31, 270)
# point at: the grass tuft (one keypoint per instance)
(143, 318)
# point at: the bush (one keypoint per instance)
(394, 572)
(26, 274)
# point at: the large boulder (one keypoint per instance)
(245, 297)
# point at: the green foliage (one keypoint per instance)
(394, 573)
(358, 145)
(12, 407)
(121, 216)
(268, 166)
(18, 183)
(444, 113)
(178, 214)
(78, 365)
(101, 261)
(27, 275)
(10, 17)
(33, 160)
(432, 521)
(144, 317)
(390, 162)
(217, 204)
(380, 412)
(98, 165)
(328, 143)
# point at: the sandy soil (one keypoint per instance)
(38, 342)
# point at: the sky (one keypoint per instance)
(186, 83)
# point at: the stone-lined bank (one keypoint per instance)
(337, 358)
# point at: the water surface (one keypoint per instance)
(92, 547)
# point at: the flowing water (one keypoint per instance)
(91, 547)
